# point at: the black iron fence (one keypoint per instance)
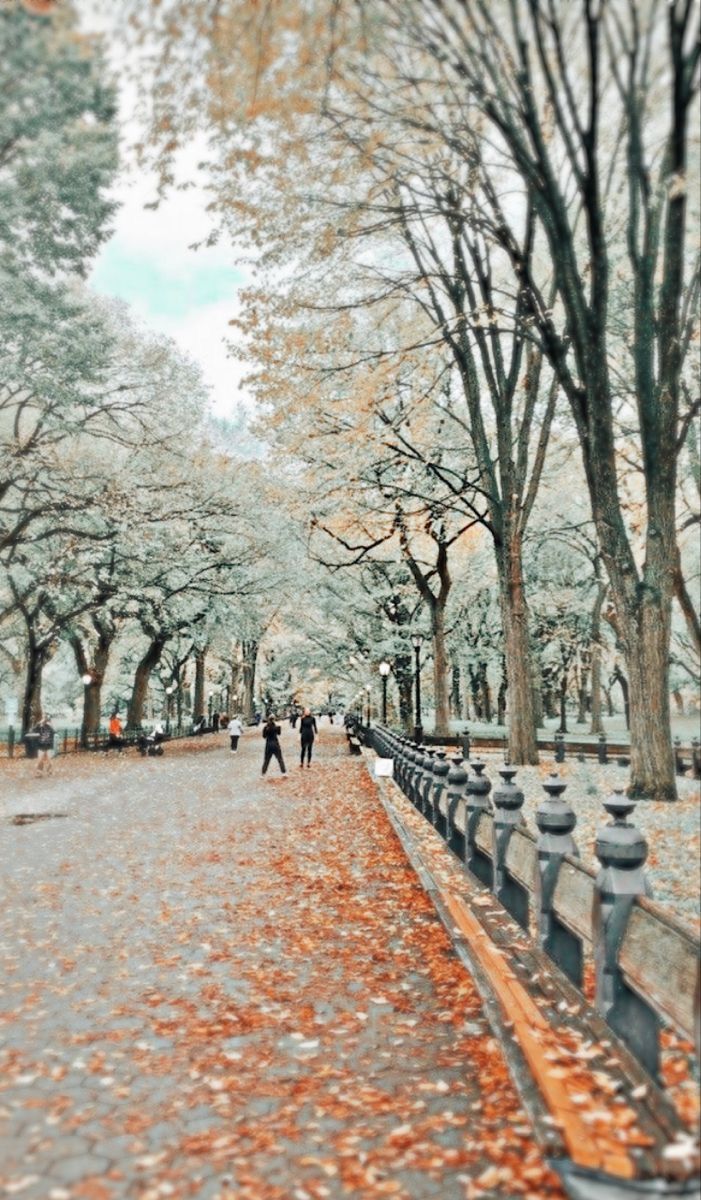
(646, 962)
(73, 741)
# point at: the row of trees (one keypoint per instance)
(471, 224)
(130, 535)
(469, 336)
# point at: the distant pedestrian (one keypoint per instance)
(293, 717)
(307, 733)
(215, 722)
(45, 744)
(115, 738)
(271, 734)
(234, 730)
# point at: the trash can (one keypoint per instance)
(31, 745)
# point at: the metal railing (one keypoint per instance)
(70, 740)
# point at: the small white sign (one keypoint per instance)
(384, 767)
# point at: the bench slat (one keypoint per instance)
(661, 962)
(573, 898)
(522, 857)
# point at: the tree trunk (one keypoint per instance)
(596, 725)
(485, 693)
(652, 766)
(236, 686)
(582, 695)
(523, 741)
(248, 677)
(501, 695)
(476, 695)
(404, 676)
(686, 604)
(620, 679)
(563, 702)
(31, 702)
(465, 693)
(92, 692)
(538, 712)
(455, 700)
(142, 675)
(441, 692)
(198, 697)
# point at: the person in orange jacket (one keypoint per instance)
(115, 732)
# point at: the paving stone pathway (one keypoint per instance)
(214, 985)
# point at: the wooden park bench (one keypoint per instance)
(692, 764)
(355, 745)
(527, 917)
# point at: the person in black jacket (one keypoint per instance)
(45, 744)
(307, 731)
(271, 733)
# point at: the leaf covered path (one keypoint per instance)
(214, 985)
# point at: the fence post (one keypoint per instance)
(400, 762)
(602, 749)
(508, 802)
(465, 745)
(621, 850)
(415, 759)
(425, 785)
(441, 767)
(555, 819)
(457, 778)
(11, 742)
(477, 791)
(696, 759)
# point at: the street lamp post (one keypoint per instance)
(368, 689)
(87, 683)
(209, 708)
(384, 669)
(417, 642)
(169, 699)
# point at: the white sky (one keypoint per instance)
(191, 295)
(188, 294)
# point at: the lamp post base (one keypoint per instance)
(418, 734)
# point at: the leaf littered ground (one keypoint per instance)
(215, 985)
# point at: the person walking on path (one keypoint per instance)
(45, 745)
(307, 732)
(271, 734)
(234, 730)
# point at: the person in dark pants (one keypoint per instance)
(271, 733)
(115, 739)
(307, 732)
(45, 744)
